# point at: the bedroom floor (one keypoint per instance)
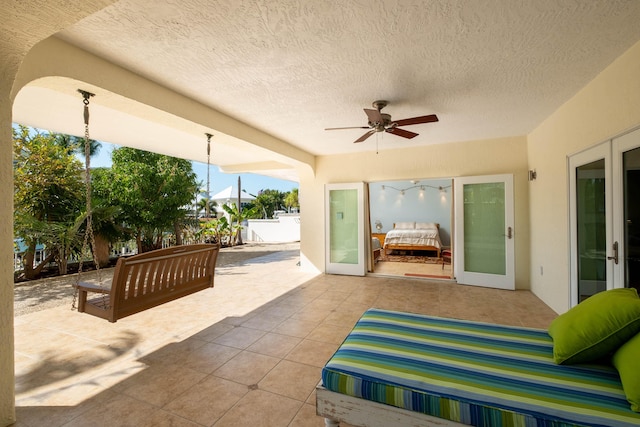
(248, 352)
(408, 269)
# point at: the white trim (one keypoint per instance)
(358, 269)
(506, 281)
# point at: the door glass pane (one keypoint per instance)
(631, 166)
(484, 228)
(343, 224)
(591, 229)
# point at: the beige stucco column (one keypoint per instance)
(8, 69)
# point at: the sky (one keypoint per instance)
(251, 183)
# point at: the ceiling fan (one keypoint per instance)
(381, 122)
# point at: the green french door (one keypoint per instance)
(604, 213)
(484, 238)
(344, 229)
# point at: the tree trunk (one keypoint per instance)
(31, 273)
(63, 264)
(27, 262)
(102, 251)
(177, 230)
(139, 243)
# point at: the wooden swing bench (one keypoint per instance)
(150, 279)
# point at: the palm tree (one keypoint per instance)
(76, 144)
(238, 216)
(202, 206)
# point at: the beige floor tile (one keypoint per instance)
(261, 408)
(313, 353)
(306, 417)
(160, 384)
(240, 337)
(247, 368)
(331, 332)
(214, 331)
(314, 313)
(209, 357)
(264, 322)
(276, 345)
(126, 411)
(296, 327)
(291, 379)
(208, 400)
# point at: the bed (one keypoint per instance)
(399, 368)
(413, 236)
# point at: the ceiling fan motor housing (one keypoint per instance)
(385, 124)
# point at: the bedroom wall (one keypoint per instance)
(422, 201)
(608, 106)
(482, 157)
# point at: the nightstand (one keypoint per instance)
(380, 237)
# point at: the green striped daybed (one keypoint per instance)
(469, 373)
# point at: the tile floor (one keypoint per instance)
(403, 269)
(246, 353)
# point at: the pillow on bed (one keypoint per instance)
(426, 226)
(626, 362)
(596, 327)
(405, 225)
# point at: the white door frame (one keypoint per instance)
(612, 152)
(601, 151)
(332, 267)
(506, 281)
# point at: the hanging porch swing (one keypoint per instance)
(142, 281)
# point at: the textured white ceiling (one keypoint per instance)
(488, 69)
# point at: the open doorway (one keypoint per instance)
(411, 227)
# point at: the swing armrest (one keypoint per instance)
(92, 287)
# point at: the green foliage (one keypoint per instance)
(216, 230)
(237, 217)
(48, 178)
(267, 202)
(152, 190)
(77, 144)
(48, 196)
(291, 199)
(202, 207)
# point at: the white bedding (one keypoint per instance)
(415, 237)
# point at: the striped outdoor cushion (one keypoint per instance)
(473, 373)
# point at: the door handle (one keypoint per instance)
(509, 233)
(615, 253)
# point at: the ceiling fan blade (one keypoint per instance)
(350, 127)
(374, 116)
(365, 136)
(403, 133)
(417, 120)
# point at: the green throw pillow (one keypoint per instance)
(596, 327)
(626, 362)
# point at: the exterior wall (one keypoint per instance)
(487, 157)
(606, 107)
(285, 228)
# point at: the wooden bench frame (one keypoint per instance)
(149, 279)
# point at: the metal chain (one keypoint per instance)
(89, 237)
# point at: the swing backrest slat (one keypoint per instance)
(147, 280)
